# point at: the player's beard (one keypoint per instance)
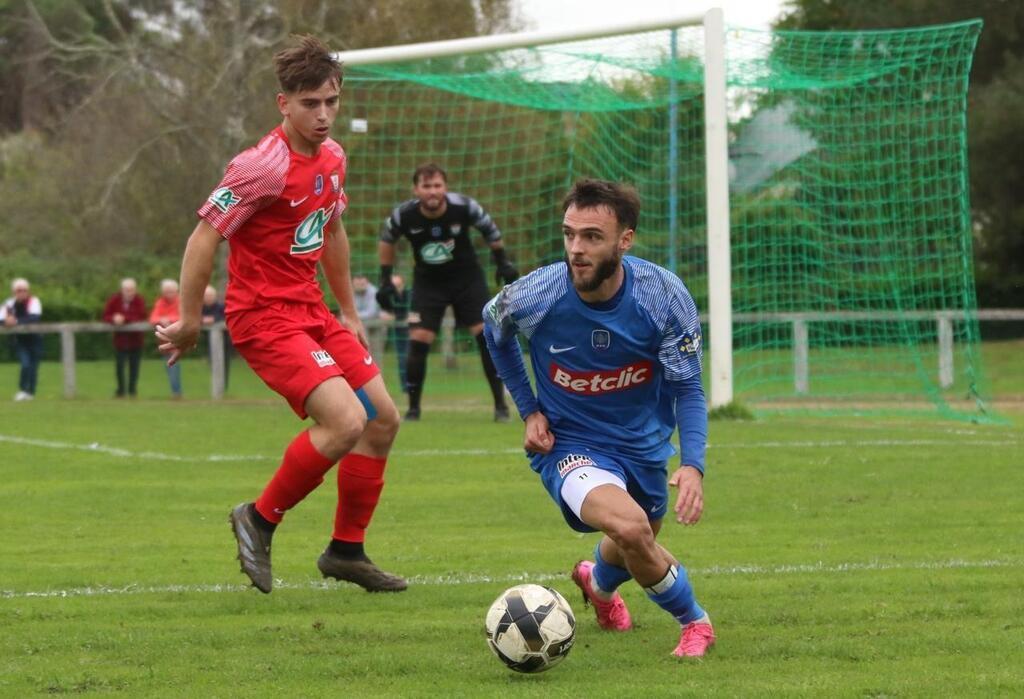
(603, 270)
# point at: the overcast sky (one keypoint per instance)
(561, 14)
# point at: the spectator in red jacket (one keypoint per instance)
(125, 308)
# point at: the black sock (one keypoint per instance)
(416, 371)
(349, 550)
(497, 389)
(261, 521)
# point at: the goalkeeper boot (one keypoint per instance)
(253, 546)
(696, 638)
(360, 571)
(612, 614)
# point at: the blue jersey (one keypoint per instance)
(619, 376)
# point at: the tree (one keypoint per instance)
(995, 139)
(122, 115)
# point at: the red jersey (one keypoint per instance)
(272, 206)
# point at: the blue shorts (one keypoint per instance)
(646, 481)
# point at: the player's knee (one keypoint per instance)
(383, 428)
(631, 532)
(344, 430)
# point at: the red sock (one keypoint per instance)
(360, 480)
(301, 471)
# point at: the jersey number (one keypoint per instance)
(309, 236)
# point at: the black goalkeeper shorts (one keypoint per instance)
(465, 291)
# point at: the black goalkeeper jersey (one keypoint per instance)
(441, 246)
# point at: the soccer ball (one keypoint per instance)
(531, 628)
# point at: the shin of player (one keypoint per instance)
(279, 205)
(615, 351)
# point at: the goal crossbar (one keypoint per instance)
(515, 40)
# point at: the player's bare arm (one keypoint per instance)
(690, 500)
(196, 267)
(335, 262)
(538, 437)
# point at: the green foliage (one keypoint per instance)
(71, 290)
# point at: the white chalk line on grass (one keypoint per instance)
(477, 578)
(97, 448)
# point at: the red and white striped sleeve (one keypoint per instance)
(253, 180)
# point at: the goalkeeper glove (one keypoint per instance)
(505, 271)
(386, 291)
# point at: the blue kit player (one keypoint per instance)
(615, 347)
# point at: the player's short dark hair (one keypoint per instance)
(428, 170)
(306, 66)
(620, 198)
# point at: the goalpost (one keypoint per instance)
(849, 259)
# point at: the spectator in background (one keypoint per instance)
(213, 312)
(365, 295)
(23, 308)
(125, 308)
(399, 331)
(165, 311)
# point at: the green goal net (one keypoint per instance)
(852, 279)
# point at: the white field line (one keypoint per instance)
(98, 448)
(479, 578)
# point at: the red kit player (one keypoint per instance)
(279, 206)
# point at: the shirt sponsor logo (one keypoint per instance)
(438, 253)
(573, 461)
(591, 383)
(601, 339)
(318, 184)
(309, 236)
(224, 199)
(322, 358)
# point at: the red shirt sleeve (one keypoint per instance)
(253, 180)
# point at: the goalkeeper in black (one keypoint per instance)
(436, 223)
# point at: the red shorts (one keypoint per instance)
(295, 347)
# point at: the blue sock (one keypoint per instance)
(674, 594)
(607, 576)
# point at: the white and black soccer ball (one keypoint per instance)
(531, 628)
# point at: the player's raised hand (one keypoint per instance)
(538, 439)
(690, 501)
(176, 339)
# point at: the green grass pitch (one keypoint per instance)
(837, 556)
